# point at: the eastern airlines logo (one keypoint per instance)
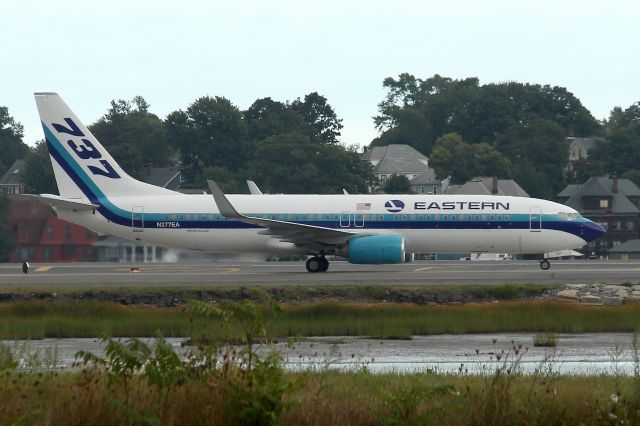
(394, 206)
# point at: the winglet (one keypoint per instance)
(226, 209)
(253, 188)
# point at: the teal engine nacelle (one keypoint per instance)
(373, 249)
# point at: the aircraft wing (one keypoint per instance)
(297, 233)
(59, 202)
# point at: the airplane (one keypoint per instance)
(95, 192)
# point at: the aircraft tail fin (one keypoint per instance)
(82, 166)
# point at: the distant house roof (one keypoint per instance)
(425, 178)
(569, 191)
(165, 177)
(395, 159)
(484, 186)
(13, 176)
(631, 246)
(602, 186)
(586, 144)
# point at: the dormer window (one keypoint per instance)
(604, 203)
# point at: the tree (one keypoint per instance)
(397, 184)
(11, 144)
(316, 111)
(6, 236)
(38, 173)
(452, 157)
(210, 133)
(417, 112)
(619, 152)
(539, 155)
(134, 136)
(293, 163)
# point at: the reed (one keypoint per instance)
(36, 320)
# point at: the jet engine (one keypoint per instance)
(373, 249)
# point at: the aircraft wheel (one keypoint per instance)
(324, 264)
(544, 264)
(314, 264)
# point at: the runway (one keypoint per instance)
(340, 273)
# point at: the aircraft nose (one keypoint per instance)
(592, 231)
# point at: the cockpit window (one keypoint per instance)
(569, 216)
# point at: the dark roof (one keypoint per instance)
(160, 176)
(631, 246)
(602, 186)
(396, 159)
(13, 176)
(483, 186)
(569, 190)
(424, 178)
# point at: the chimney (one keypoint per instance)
(614, 186)
(494, 185)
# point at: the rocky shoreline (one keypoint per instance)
(598, 294)
(593, 294)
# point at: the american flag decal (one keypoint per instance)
(363, 206)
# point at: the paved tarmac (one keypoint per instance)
(340, 273)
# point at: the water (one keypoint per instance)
(593, 353)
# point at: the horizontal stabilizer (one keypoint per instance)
(64, 203)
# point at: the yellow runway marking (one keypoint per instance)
(43, 269)
(232, 270)
(423, 269)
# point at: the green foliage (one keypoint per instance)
(409, 404)
(11, 144)
(293, 163)
(38, 173)
(452, 157)
(256, 391)
(6, 234)
(134, 136)
(317, 113)
(210, 133)
(539, 155)
(8, 360)
(417, 111)
(397, 184)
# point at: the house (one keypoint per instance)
(40, 236)
(488, 186)
(579, 147)
(403, 160)
(613, 203)
(11, 183)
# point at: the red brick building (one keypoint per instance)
(41, 237)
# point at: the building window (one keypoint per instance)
(49, 232)
(630, 226)
(605, 225)
(46, 253)
(24, 232)
(67, 232)
(604, 203)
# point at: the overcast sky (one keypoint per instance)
(172, 52)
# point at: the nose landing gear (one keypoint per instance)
(317, 264)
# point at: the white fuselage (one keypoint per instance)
(428, 223)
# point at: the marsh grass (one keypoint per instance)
(545, 340)
(36, 320)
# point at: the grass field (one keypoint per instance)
(36, 320)
(322, 398)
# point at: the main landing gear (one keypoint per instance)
(544, 264)
(317, 264)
